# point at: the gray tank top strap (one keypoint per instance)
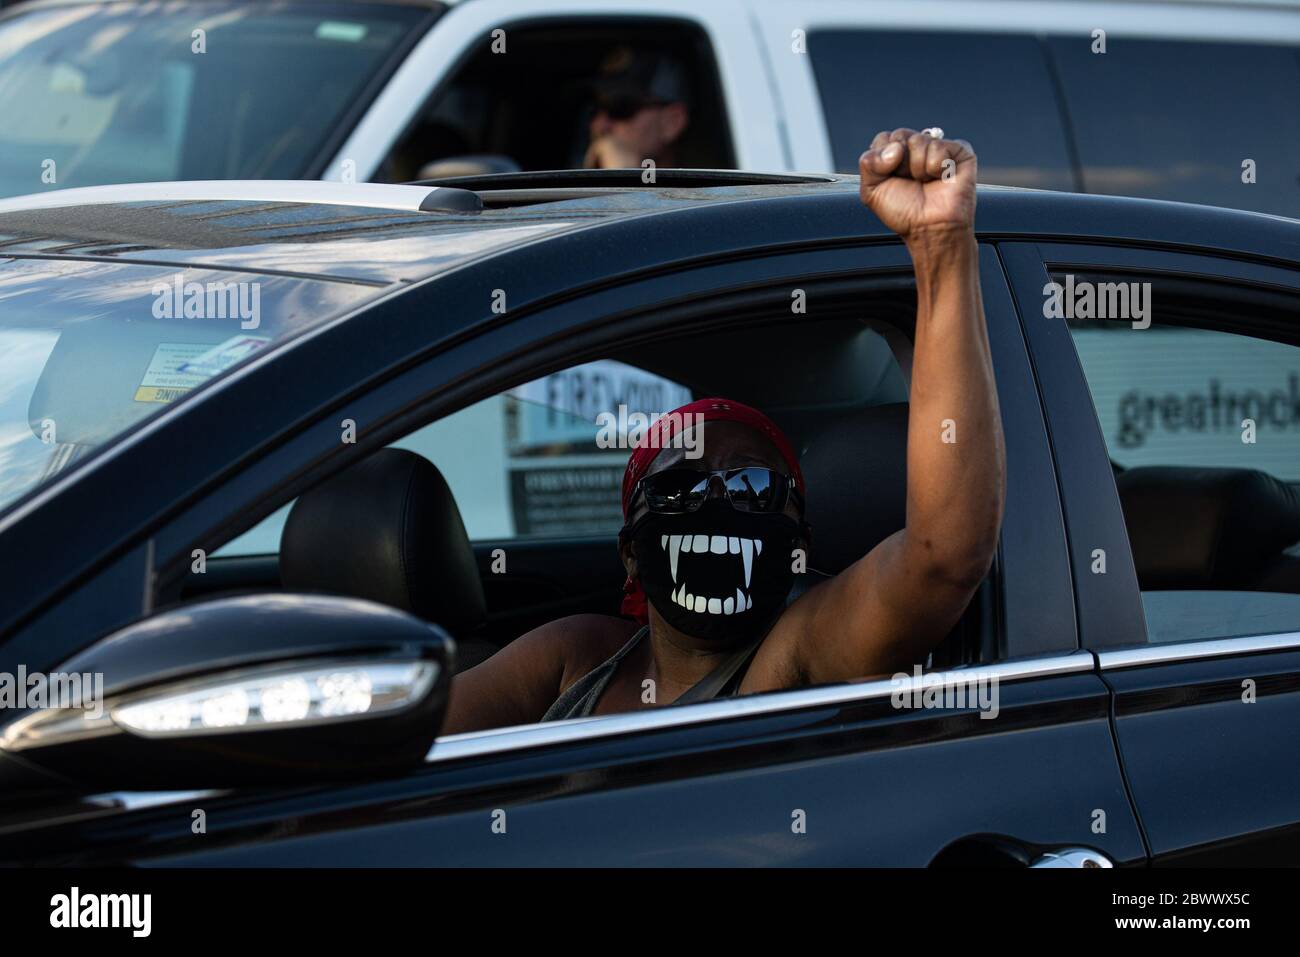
(580, 697)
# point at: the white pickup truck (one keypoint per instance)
(1190, 100)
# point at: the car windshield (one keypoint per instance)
(115, 93)
(89, 350)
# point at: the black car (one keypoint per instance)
(218, 404)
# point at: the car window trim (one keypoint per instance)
(1171, 652)
(527, 737)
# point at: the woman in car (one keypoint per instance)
(710, 543)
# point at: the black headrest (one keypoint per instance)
(855, 468)
(1205, 527)
(386, 529)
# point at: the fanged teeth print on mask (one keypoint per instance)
(746, 548)
(716, 573)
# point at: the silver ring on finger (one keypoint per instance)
(935, 131)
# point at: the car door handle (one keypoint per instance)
(999, 850)
(1072, 857)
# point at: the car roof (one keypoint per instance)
(363, 232)
(381, 234)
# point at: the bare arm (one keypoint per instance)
(890, 608)
(523, 679)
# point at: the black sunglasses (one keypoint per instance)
(750, 489)
(624, 106)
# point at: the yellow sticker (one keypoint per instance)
(149, 393)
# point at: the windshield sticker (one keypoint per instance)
(337, 30)
(164, 381)
(222, 357)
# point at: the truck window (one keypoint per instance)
(914, 77)
(1180, 120)
(531, 107)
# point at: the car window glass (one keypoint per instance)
(531, 110)
(1177, 119)
(542, 460)
(1194, 615)
(911, 80)
(1203, 427)
(1171, 395)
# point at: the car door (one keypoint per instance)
(1002, 759)
(1183, 543)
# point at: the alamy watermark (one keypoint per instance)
(83, 691)
(625, 430)
(213, 300)
(77, 909)
(946, 691)
(1098, 300)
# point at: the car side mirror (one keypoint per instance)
(274, 689)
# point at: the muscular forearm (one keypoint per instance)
(955, 455)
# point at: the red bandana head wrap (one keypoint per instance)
(659, 437)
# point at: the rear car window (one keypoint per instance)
(1173, 119)
(880, 79)
(1203, 429)
(1172, 395)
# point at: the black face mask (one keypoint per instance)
(716, 573)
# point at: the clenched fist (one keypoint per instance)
(919, 184)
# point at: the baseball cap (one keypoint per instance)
(630, 79)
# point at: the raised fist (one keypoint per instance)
(917, 183)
